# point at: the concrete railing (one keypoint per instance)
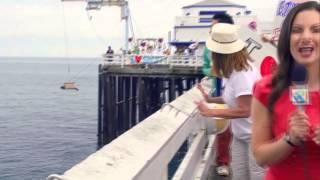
(144, 151)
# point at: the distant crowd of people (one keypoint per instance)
(154, 47)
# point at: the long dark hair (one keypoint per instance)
(281, 79)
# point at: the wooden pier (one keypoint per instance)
(128, 94)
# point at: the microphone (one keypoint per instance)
(300, 98)
(299, 91)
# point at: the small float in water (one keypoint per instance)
(69, 86)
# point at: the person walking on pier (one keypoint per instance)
(286, 137)
(109, 53)
(223, 139)
(232, 63)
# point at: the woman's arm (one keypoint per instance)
(217, 100)
(241, 111)
(266, 39)
(210, 99)
(265, 149)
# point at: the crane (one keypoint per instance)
(98, 4)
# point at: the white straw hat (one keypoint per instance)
(224, 39)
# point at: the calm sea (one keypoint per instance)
(44, 129)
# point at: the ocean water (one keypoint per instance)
(44, 129)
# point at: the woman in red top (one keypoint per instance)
(285, 139)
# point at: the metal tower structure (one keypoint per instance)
(98, 4)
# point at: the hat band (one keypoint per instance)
(229, 42)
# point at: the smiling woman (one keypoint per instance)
(286, 138)
(305, 38)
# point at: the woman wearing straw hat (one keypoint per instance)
(223, 139)
(233, 64)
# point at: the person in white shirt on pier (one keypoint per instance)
(233, 64)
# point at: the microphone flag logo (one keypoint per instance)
(300, 95)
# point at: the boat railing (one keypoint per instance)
(144, 151)
(172, 60)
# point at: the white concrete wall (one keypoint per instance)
(187, 21)
(192, 34)
(250, 35)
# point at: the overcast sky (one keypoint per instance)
(52, 28)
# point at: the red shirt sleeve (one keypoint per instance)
(262, 89)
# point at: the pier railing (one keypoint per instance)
(172, 60)
(144, 151)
